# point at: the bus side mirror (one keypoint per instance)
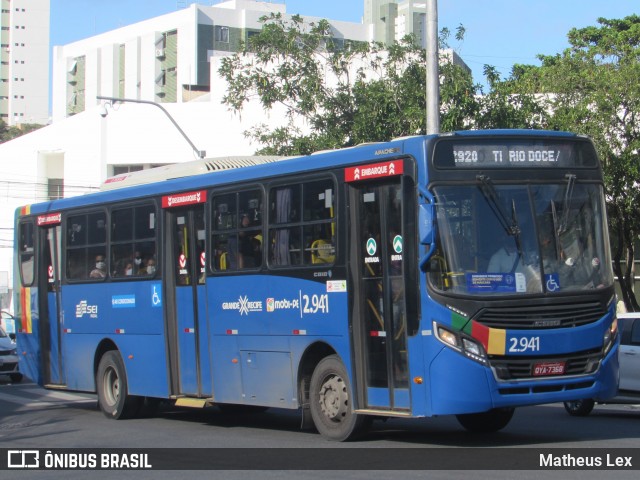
(426, 221)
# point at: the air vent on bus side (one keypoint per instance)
(185, 169)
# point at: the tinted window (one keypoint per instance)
(86, 246)
(133, 241)
(302, 224)
(25, 249)
(237, 231)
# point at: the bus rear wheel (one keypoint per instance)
(486, 422)
(331, 402)
(111, 382)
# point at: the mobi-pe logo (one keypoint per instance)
(23, 459)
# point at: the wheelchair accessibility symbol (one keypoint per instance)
(156, 295)
(552, 282)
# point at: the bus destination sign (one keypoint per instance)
(49, 219)
(514, 154)
(184, 199)
(373, 170)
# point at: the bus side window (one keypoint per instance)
(302, 240)
(133, 240)
(26, 253)
(236, 226)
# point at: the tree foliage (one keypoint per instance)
(338, 93)
(593, 88)
(9, 133)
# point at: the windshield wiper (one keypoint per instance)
(510, 225)
(568, 195)
(492, 196)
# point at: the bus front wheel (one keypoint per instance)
(331, 402)
(111, 382)
(486, 422)
(579, 408)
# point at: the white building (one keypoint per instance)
(24, 61)
(171, 60)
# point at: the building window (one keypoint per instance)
(161, 78)
(221, 34)
(56, 188)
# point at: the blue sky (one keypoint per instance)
(498, 32)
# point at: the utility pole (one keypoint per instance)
(433, 80)
(114, 100)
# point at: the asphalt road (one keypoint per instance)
(34, 418)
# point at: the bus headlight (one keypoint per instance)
(448, 337)
(610, 336)
(462, 343)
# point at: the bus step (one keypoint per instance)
(383, 413)
(55, 386)
(191, 402)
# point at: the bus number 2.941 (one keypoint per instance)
(315, 303)
(524, 344)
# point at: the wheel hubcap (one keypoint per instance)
(334, 400)
(111, 386)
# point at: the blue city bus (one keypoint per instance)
(466, 273)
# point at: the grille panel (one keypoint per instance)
(564, 315)
(509, 368)
(7, 367)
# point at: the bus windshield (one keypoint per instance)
(514, 239)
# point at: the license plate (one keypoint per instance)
(549, 368)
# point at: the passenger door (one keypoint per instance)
(51, 319)
(377, 238)
(186, 287)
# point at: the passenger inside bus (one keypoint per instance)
(505, 259)
(100, 270)
(149, 268)
(248, 247)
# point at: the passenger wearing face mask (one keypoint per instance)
(137, 264)
(128, 269)
(150, 269)
(101, 268)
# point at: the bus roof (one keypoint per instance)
(186, 169)
(197, 174)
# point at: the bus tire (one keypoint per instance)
(486, 422)
(111, 382)
(331, 402)
(579, 408)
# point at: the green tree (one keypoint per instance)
(593, 88)
(9, 133)
(338, 93)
